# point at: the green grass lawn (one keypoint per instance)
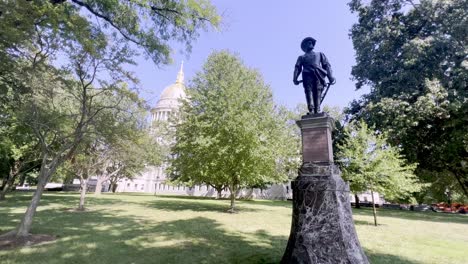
(147, 229)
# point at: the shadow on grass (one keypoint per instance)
(189, 197)
(362, 222)
(178, 202)
(107, 237)
(64, 198)
(287, 204)
(181, 204)
(388, 259)
(417, 216)
(277, 203)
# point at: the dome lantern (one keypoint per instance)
(170, 96)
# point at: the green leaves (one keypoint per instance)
(151, 24)
(413, 57)
(368, 162)
(62, 71)
(230, 131)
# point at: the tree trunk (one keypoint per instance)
(10, 180)
(356, 198)
(99, 182)
(4, 182)
(113, 179)
(463, 183)
(84, 186)
(219, 193)
(22, 179)
(233, 190)
(7, 186)
(46, 171)
(373, 208)
(114, 187)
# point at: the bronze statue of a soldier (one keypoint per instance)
(314, 67)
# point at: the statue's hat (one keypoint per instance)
(303, 43)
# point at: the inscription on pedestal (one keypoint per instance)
(315, 145)
(316, 138)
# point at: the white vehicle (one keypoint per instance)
(23, 187)
(53, 186)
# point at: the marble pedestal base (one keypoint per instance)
(322, 229)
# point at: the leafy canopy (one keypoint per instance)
(62, 68)
(230, 132)
(369, 163)
(148, 24)
(413, 56)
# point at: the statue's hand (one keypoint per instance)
(332, 80)
(296, 82)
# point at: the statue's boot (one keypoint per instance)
(310, 108)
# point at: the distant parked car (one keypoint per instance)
(23, 187)
(52, 186)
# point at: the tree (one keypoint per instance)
(63, 113)
(291, 156)
(413, 57)
(230, 133)
(15, 162)
(127, 156)
(84, 164)
(149, 24)
(368, 162)
(18, 146)
(93, 41)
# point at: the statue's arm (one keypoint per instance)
(327, 67)
(297, 70)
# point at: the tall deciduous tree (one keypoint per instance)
(413, 56)
(230, 133)
(93, 41)
(62, 113)
(368, 162)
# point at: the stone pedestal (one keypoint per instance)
(322, 229)
(316, 133)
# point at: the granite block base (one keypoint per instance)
(322, 229)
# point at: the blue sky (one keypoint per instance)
(267, 34)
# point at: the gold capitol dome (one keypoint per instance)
(170, 96)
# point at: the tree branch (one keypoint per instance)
(107, 19)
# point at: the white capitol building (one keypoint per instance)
(153, 179)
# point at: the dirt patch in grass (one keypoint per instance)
(8, 242)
